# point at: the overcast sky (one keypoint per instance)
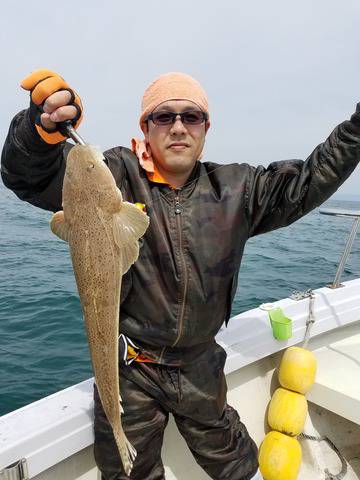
(280, 74)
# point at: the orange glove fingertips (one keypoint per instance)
(46, 88)
(35, 77)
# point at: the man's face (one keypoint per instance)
(176, 147)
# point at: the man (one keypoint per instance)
(179, 292)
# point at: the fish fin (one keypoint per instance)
(129, 224)
(120, 404)
(129, 255)
(132, 450)
(127, 451)
(59, 226)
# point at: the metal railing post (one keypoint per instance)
(349, 214)
(15, 471)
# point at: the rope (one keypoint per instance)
(311, 319)
(329, 475)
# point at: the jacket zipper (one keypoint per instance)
(178, 211)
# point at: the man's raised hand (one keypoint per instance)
(52, 101)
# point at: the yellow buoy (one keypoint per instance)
(287, 412)
(279, 457)
(297, 369)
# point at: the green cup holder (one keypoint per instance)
(281, 325)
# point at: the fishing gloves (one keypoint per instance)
(43, 83)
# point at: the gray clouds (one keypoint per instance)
(279, 75)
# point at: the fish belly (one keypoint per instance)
(97, 272)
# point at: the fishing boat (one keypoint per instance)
(52, 438)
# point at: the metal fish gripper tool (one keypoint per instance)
(68, 130)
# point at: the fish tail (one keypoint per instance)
(126, 450)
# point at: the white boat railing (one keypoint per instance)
(355, 214)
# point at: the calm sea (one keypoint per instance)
(43, 347)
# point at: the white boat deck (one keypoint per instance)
(337, 386)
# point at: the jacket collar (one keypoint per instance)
(157, 178)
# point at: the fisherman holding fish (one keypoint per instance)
(179, 292)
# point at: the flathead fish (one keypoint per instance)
(103, 232)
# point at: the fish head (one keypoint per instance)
(87, 172)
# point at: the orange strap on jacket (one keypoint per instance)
(43, 83)
(131, 352)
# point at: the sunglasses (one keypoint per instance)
(190, 117)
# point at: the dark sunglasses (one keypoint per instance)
(191, 117)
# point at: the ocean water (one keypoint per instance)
(43, 347)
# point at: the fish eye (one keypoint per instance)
(90, 166)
